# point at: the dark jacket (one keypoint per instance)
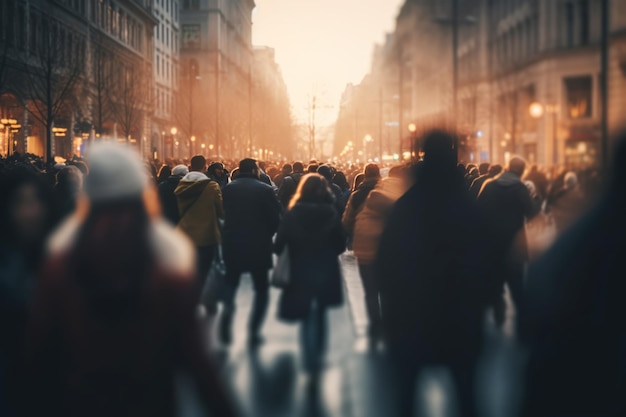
(288, 187)
(431, 269)
(315, 238)
(506, 202)
(573, 324)
(168, 200)
(477, 185)
(251, 217)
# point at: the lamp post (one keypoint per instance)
(536, 111)
(366, 141)
(193, 145)
(412, 130)
(173, 131)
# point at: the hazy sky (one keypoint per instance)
(321, 45)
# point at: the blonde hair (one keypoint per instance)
(312, 188)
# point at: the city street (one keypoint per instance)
(354, 383)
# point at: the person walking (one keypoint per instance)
(169, 202)
(312, 231)
(506, 201)
(289, 184)
(200, 207)
(431, 272)
(252, 214)
(113, 318)
(368, 228)
(358, 197)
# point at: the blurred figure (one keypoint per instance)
(368, 228)
(218, 173)
(285, 172)
(357, 198)
(540, 180)
(200, 207)
(69, 182)
(290, 184)
(506, 202)
(167, 197)
(342, 182)
(573, 323)
(311, 229)
(431, 273)
(164, 173)
(252, 214)
(25, 219)
(326, 172)
(568, 204)
(477, 185)
(114, 313)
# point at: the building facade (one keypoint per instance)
(73, 70)
(165, 74)
(215, 74)
(510, 54)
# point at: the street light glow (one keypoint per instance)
(173, 130)
(536, 110)
(412, 127)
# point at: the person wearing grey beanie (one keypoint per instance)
(120, 283)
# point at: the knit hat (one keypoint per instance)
(180, 170)
(115, 173)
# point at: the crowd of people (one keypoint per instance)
(104, 263)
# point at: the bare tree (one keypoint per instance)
(129, 98)
(53, 66)
(102, 78)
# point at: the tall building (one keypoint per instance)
(100, 52)
(510, 54)
(215, 66)
(165, 73)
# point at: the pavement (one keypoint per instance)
(269, 381)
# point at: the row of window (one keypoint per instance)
(163, 106)
(167, 36)
(517, 44)
(165, 69)
(113, 19)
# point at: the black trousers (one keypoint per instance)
(260, 281)
(372, 301)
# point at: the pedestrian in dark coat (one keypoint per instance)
(573, 323)
(312, 231)
(506, 202)
(251, 217)
(430, 272)
(167, 198)
(477, 185)
(289, 184)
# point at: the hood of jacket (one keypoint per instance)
(508, 179)
(189, 191)
(313, 219)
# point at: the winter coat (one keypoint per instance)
(200, 206)
(81, 364)
(431, 269)
(315, 239)
(252, 215)
(169, 203)
(506, 202)
(355, 203)
(370, 221)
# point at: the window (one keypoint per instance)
(191, 4)
(578, 97)
(584, 22)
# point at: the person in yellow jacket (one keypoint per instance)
(200, 206)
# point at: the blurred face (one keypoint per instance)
(219, 172)
(27, 214)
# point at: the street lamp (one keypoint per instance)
(536, 111)
(412, 130)
(193, 144)
(173, 131)
(366, 140)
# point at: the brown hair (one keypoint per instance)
(312, 188)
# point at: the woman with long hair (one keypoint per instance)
(113, 317)
(312, 231)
